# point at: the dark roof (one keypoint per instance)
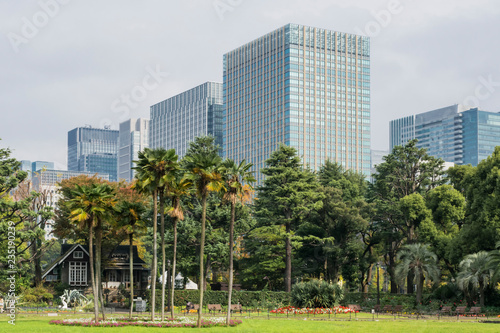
(120, 249)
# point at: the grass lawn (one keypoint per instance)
(34, 324)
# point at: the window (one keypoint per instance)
(112, 276)
(51, 278)
(126, 276)
(77, 273)
(78, 254)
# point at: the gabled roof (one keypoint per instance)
(63, 256)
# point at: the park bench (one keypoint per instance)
(195, 307)
(445, 310)
(214, 308)
(354, 307)
(397, 309)
(474, 311)
(387, 308)
(377, 308)
(236, 307)
(460, 310)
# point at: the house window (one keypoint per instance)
(78, 254)
(126, 276)
(112, 276)
(51, 278)
(77, 273)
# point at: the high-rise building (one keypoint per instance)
(455, 133)
(377, 157)
(180, 119)
(133, 138)
(306, 87)
(93, 150)
(31, 167)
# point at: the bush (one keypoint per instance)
(316, 294)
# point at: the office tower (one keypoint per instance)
(377, 157)
(133, 138)
(180, 119)
(306, 87)
(46, 182)
(93, 150)
(31, 167)
(455, 133)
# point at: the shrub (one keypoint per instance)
(316, 294)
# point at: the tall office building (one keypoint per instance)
(180, 119)
(306, 87)
(133, 138)
(455, 133)
(93, 150)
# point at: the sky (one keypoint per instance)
(71, 63)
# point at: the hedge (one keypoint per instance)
(263, 299)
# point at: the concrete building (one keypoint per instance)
(133, 138)
(306, 87)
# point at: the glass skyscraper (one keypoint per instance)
(454, 133)
(180, 119)
(93, 150)
(306, 87)
(134, 137)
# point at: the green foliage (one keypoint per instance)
(262, 299)
(316, 294)
(475, 274)
(36, 295)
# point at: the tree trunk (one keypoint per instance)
(92, 275)
(131, 256)
(208, 268)
(172, 275)
(37, 262)
(288, 260)
(163, 278)
(368, 278)
(420, 286)
(98, 248)
(390, 270)
(231, 241)
(202, 253)
(155, 250)
(481, 294)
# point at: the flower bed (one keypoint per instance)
(294, 310)
(121, 322)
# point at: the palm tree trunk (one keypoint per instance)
(202, 253)
(131, 256)
(288, 260)
(481, 293)
(155, 249)
(420, 285)
(172, 275)
(98, 243)
(231, 240)
(92, 275)
(162, 234)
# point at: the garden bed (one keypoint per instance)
(122, 322)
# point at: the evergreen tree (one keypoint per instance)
(287, 197)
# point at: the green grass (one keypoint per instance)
(34, 324)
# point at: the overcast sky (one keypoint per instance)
(66, 63)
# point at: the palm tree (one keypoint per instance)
(153, 168)
(418, 259)
(494, 263)
(179, 187)
(475, 273)
(237, 189)
(89, 206)
(130, 218)
(204, 172)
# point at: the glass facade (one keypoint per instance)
(133, 138)
(455, 134)
(93, 150)
(180, 119)
(306, 87)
